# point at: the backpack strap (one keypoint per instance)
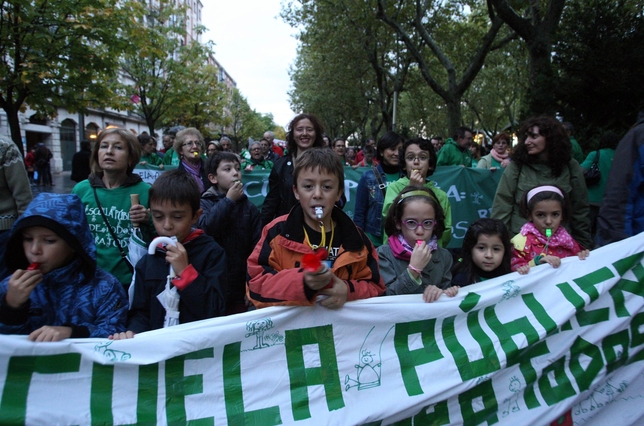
(381, 184)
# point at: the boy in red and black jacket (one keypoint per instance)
(348, 271)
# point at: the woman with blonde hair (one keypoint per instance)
(106, 196)
(189, 144)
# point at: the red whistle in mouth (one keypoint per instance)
(312, 261)
(34, 266)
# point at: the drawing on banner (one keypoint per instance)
(369, 367)
(111, 354)
(608, 391)
(258, 328)
(482, 379)
(477, 197)
(510, 290)
(513, 401)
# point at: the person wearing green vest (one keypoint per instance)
(257, 160)
(577, 153)
(606, 152)
(456, 150)
(148, 148)
(171, 157)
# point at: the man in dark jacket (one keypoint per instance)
(80, 162)
(621, 214)
(43, 155)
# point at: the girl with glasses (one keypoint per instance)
(418, 163)
(411, 261)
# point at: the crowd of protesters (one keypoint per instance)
(70, 258)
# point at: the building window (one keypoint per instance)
(91, 131)
(36, 119)
(68, 131)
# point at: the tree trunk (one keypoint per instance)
(537, 31)
(453, 114)
(541, 97)
(14, 127)
(150, 122)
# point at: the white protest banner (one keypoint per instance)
(150, 173)
(554, 345)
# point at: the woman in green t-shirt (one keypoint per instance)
(110, 212)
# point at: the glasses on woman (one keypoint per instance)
(421, 158)
(191, 143)
(413, 224)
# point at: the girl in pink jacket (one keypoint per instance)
(543, 239)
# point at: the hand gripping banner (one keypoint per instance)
(557, 345)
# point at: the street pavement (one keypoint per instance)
(62, 185)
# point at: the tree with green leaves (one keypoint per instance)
(599, 58)
(349, 66)
(494, 101)
(244, 122)
(537, 26)
(333, 92)
(170, 76)
(60, 55)
(199, 102)
(449, 42)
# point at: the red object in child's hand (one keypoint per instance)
(312, 261)
(34, 266)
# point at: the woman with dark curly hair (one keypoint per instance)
(304, 131)
(543, 157)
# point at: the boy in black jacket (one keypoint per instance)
(233, 221)
(197, 260)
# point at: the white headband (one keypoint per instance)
(538, 189)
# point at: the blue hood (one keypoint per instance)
(65, 215)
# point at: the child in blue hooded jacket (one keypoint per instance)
(56, 290)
